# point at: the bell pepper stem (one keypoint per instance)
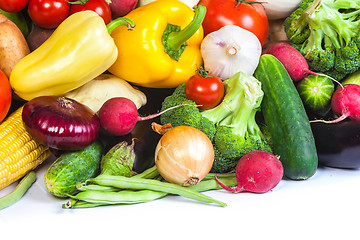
(176, 39)
(111, 26)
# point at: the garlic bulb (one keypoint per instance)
(229, 50)
(277, 9)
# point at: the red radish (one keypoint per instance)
(293, 61)
(345, 103)
(118, 116)
(257, 171)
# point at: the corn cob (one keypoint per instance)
(19, 152)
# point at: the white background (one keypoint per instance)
(326, 206)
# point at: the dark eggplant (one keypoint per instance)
(145, 138)
(338, 145)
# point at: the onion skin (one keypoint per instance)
(61, 123)
(184, 155)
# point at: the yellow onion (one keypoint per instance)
(184, 155)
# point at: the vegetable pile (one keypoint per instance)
(140, 99)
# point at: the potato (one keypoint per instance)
(13, 46)
(38, 36)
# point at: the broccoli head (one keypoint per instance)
(231, 126)
(327, 33)
(186, 115)
(222, 164)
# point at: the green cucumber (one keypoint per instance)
(287, 121)
(72, 168)
(353, 78)
(316, 91)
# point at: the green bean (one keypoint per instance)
(219, 175)
(19, 191)
(73, 203)
(83, 187)
(91, 198)
(211, 184)
(151, 184)
(204, 185)
(148, 173)
(122, 196)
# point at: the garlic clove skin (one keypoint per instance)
(229, 50)
(278, 9)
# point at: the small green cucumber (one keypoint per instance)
(353, 78)
(316, 92)
(287, 121)
(72, 168)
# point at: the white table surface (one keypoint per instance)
(326, 206)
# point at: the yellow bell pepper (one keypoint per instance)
(163, 49)
(80, 49)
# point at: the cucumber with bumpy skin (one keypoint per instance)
(287, 121)
(72, 168)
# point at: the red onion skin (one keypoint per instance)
(60, 123)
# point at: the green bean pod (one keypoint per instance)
(119, 197)
(150, 184)
(19, 191)
(148, 173)
(100, 199)
(94, 187)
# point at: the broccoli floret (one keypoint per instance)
(327, 33)
(232, 145)
(186, 115)
(231, 126)
(222, 164)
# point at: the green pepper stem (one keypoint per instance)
(176, 39)
(111, 26)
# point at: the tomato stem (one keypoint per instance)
(202, 72)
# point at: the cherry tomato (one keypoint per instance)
(13, 5)
(247, 14)
(48, 13)
(205, 90)
(5, 95)
(99, 6)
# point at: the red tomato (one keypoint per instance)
(250, 16)
(5, 95)
(13, 5)
(48, 13)
(99, 6)
(207, 90)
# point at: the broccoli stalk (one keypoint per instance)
(326, 33)
(237, 131)
(239, 106)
